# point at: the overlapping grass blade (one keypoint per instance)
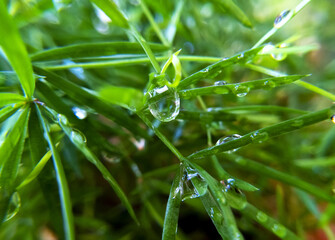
(213, 70)
(10, 156)
(8, 111)
(63, 188)
(84, 97)
(245, 87)
(233, 9)
(15, 51)
(172, 210)
(102, 49)
(267, 132)
(269, 172)
(10, 98)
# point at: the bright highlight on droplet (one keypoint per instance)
(333, 118)
(80, 113)
(282, 18)
(228, 139)
(164, 103)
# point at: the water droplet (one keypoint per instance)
(164, 103)
(206, 10)
(139, 144)
(259, 137)
(205, 70)
(80, 113)
(77, 71)
(193, 184)
(228, 139)
(220, 83)
(297, 123)
(240, 56)
(269, 84)
(216, 215)
(62, 120)
(234, 195)
(212, 212)
(241, 90)
(240, 161)
(267, 48)
(282, 18)
(279, 56)
(77, 137)
(279, 230)
(333, 118)
(262, 217)
(14, 206)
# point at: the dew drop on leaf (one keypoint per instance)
(80, 113)
(62, 120)
(279, 230)
(282, 18)
(262, 217)
(78, 137)
(235, 197)
(298, 123)
(14, 206)
(269, 84)
(228, 139)
(241, 90)
(193, 184)
(220, 83)
(164, 103)
(259, 137)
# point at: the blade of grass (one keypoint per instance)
(8, 111)
(269, 172)
(172, 27)
(235, 88)
(84, 97)
(170, 226)
(64, 192)
(15, 51)
(267, 132)
(10, 98)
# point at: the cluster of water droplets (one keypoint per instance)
(164, 103)
(228, 139)
(259, 137)
(191, 185)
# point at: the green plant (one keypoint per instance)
(89, 98)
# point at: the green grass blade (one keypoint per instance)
(267, 132)
(233, 9)
(113, 12)
(84, 97)
(6, 112)
(102, 49)
(315, 162)
(130, 98)
(15, 51)
(64, 192)
(242, 87)
(10, 156)
(269, 223)
(10, 98)
(212, 70)
(172, 210)
(79, 140)
(269, 172)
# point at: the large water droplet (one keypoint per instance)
(262, 217)
(234, 195)
(164, 103)
(62, 120)
(259, 137)
(14, 206)
(269, 84)
(279, 230)
(80, 113)
(279, 56)
(241, 90)
(77, 137)
(228, 139)
(282, 18)
(220, 83)
(193, 184)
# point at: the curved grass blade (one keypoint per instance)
(170, 226)
(10, 156)
(267, 132)
(64, 192)
(8, 111)
(79, 140)
(207, 117)
(213, 70)
(113, 12)
(84, 97)
(268, 222)
(10, 98)
(315, 162)
(269, 172)
(233, 9)
(267, 83)
(15, 51)
(84, 50)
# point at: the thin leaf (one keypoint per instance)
(102, 49)
(242, 87)
(269, 172)
(267, 132)
(213, 70)
(172, 210)
(8, 111)
(64, 192)
(113, 12)
(15, 51)
(85, 97)
(10, 98)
